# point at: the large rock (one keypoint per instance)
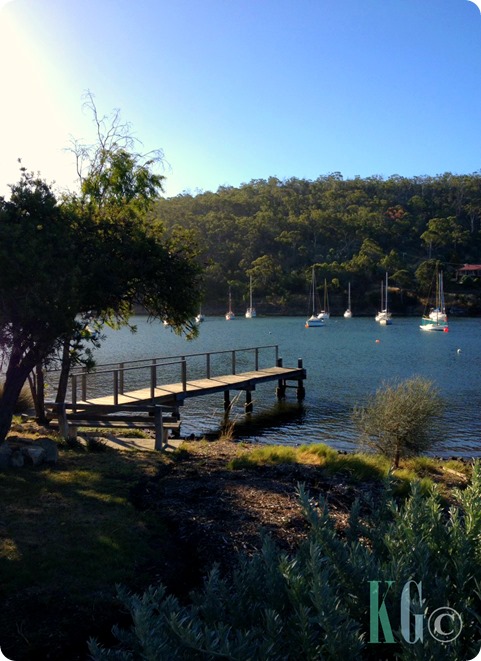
(50, 447)
(33, 454)
(5, 455)
(17, 452)
(17, 459)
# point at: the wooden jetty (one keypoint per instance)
(198, 375)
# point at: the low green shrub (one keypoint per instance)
(372, 593)
(401, 419)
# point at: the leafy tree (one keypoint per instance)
(425, 272)
(38, 282)
(401, 419)
(444, 232)
(86, 259)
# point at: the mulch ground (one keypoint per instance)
(213, 513)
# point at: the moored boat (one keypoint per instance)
(314, 321)
(348, 312)
(251, 311)
(384, 316)
(229, 315)
(324, 313)
(436, 319)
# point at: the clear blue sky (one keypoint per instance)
(234, 90)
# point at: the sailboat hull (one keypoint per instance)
(314, 322)
(430, 325)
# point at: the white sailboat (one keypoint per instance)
(436, 319)
(314, 320)
(348, 312)
(324, 313)
(229, 315)
(251, 311)
(384, 316)
(200, 317)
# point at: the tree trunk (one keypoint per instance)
(37, 387)
(64, 373)
(33, 392)
(15, 379)
(397, 457)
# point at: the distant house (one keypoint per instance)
(473, 270)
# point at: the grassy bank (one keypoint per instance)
(70, 532)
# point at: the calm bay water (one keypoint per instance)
(346, 360)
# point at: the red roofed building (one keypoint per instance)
(473, 270)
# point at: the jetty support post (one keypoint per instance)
(153, 379)
(74, 392)
(227, 402)
(159, 429)
(121, 379)
(301, 392)
(183, 365)
(281, 384)
(116, 387)
(248, 406)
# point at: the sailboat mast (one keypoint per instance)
(313, 294)
(385, 295)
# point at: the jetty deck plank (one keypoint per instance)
(175, 392)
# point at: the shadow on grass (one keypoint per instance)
(71, 532)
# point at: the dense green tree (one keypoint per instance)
(358, 228)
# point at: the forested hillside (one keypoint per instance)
(352, 230)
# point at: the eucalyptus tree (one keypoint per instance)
(133, 261)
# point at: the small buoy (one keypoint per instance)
(446, 330)
(378, 341)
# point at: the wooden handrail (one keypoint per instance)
(119, 369)
(120, 365)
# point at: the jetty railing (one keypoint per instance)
(117, 378)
